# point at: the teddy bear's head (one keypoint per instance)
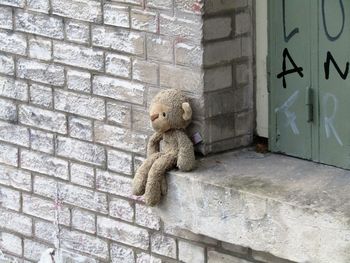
(170, 109)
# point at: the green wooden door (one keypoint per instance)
(334, 82)
(290, 77)
(309, 54)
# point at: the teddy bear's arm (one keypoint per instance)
(186, 158)
(153, 143)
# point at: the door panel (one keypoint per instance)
(334, 84)
(290, 77)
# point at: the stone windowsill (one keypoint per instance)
(293, 209)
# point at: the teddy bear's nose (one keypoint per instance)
(154, 117)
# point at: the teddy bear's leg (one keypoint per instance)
(140, 178)
(155, 177)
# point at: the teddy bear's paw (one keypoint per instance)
(153, 195)
(138, 187)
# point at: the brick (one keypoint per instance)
(81, 151)
(222, 52)
(188, 54)
(77, 31)
(41, 141)
(84, 221)
(15, 222)
(118, 89)
(121, 138)
(217, 27)
(39, 24)
(243, 101)
(11, 243)
(7, 64)
(178, 27)
(40, 48)
(10, 199)
(163, 245)
(122, 232)
(144, 20)
(15, 178)
(84, 198)
(189, 253)
(118, 39)
(121, 254)
(5, 17)
(145, 216)
(14, 134)
(13, 42)
(79, 80)
(145, 71)
(8, 154)
(146, 258)
(219, 103)
(68, 256)
(82, 175)
(242, 73)
(160, 4)
(134, 2)
(33, 250)
(118, 65)
(159, 48)
(8, 110)
(39, 5)
(119, 113)
(17, 3)
(243, 23)
(45, 164)
(83, 105)
(244, 123)
(84, 243)
(189, 6)
(44, 119)
(216, 257)
(215, 6)
(73, 240)
(45, 231)
(113, 183)
(218, 78)
(44, 186)
(116, 15)
(181, 78)
(44, 209)
(13, 89)
(79, 56)
(80, 128)
(41, 95)
(119, 162)
(41, 72)
(85, 10)
(121, 209)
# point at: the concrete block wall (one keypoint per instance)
(76, 77)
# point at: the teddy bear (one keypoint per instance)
(170, 113)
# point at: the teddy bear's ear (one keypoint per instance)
(187, 115)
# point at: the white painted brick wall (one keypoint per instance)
(76, 78)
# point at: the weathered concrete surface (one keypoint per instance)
(291, 208)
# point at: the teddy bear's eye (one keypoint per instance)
(164, 114)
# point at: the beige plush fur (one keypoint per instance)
(170, 113)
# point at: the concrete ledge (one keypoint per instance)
(293, 209)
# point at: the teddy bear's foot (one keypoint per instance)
(153, 194)
(139, 184)
(164, 186)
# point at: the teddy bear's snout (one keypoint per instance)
(154, 117)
